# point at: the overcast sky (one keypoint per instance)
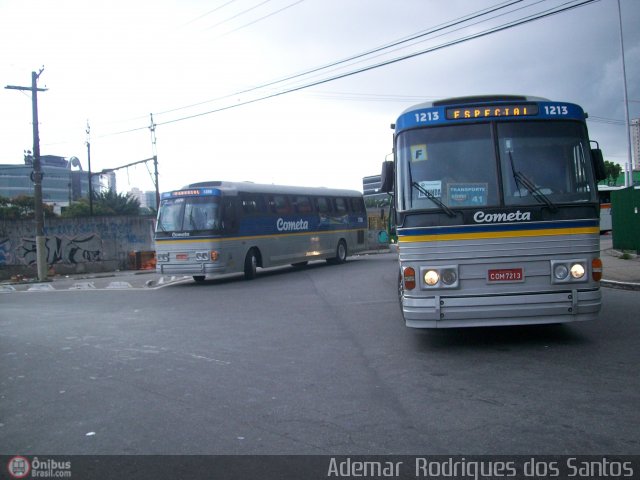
(114, 63)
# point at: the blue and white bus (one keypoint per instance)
(213, 228)
(496, 211)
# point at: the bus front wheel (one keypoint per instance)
(341, 253)
(250, 264)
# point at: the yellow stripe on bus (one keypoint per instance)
(489, 235)
(251, 237)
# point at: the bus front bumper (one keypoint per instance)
(443, 311)
(190, 269)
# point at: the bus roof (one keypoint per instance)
(250, 187)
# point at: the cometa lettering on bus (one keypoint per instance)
(294, 225)
(517, 216)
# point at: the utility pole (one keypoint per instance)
(36, 177)
(155, 160)
(88, 130)
(628, 174)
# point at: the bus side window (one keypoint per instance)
(303, 205)
(279, 204)
(252, 204)
(229, 216)
(341, 206)
(322, 205)
(357, 205)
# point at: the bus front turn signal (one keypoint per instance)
(596, 269)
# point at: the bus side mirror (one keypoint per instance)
(598, 164)
(386, 177)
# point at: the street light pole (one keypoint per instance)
(89, 167)
(628, 175)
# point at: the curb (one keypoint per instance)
(620, 285)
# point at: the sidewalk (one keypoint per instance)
(119, 280)
(618, 272)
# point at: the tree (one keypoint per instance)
(105, 203)
(612, 170)
(22, 207)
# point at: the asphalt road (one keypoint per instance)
(306, 361)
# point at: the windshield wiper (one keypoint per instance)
(433, 198)
(521, 178)
(160, 225)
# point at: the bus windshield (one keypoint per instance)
(448, 167)
(186, 214)
(545, 161)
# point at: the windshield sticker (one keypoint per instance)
(418, 152)
(467, 194)
(434, 187)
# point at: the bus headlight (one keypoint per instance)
(577, 271)
(445, 276)
(568, 271)
(560, 271)
(431, 278)
(449, 276)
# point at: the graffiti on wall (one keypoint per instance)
(6, 257)
(63, 250)
(119, 231)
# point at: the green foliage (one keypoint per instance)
(21, 207)
(613, 170)
(105, 203)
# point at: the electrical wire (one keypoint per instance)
(261, 18)
(534, 17)
(237, 15)
(394, 43)
(484, 33)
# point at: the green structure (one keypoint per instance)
(625, 213)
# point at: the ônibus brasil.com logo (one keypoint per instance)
(20, 467)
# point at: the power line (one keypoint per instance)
(537, 16)
(208, 13)
(261, 18)
(237, 15)
(394, 43)
(487, 32)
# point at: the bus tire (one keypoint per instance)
(250, 264)
(341, 253)
(198, 278)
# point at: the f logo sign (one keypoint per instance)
(418, 153)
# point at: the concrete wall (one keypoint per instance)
(75, 245)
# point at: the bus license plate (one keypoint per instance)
(182, 256)
(505, 275)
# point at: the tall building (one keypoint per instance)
(60, 183)
(635, 143)
(147, 199)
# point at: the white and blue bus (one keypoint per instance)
(497, 212)
(212, 228)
